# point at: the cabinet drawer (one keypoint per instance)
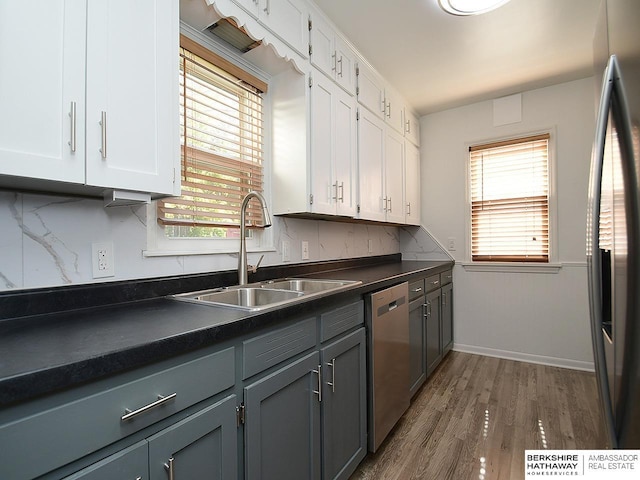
(446, 277)
(71, 429)
(416, 289)
(432, 282)
(272, 348)
(340, 320)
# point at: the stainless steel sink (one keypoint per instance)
(246, 298)
(307, 285)
(260, 296)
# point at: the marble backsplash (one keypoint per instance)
(46, 241)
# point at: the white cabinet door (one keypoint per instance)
(411, 127)
(345, 153)
(289, 20)
(42, 48)
(412, 184)
(371, 90)
(333, 148)
(322, 127)
(394, 176)
(394, 110)
(371, 133)
(132, 95)
(345, 66)
(321, 39)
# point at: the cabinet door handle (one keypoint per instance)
(129, 414)
(408, 124)
(319, 391)
(340, 62)
(334, 56)
(390, 209)
(444, 299)
(103, 124)
(332, 383)
(428, 305)
(341, 198)
(384, 208)
(384, 106)
(389, 110)
(72, 114)
(169, 468)
(335, 187)
(267, 9)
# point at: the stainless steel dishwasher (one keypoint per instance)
(388, 321)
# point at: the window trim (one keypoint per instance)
(158, 245)
(553, 264)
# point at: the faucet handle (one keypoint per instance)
(252, 268)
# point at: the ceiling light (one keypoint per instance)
(470, 7)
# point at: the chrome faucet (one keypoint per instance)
(242, 257)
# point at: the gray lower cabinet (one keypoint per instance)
(417, 344)
(344, 416)
(434, 339)
(130, 463)
(282, 423)
(446, 314)
(201, 446)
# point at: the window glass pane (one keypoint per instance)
(509, 186)
(221, 149)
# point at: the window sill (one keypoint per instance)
(181, 253)
(511, 267)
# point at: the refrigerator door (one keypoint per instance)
(613, 233)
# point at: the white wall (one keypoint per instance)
(531, 316)
(46, 241)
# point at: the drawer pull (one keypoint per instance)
(169, 468)
(417, 290)
(129, 414)
(435, 282)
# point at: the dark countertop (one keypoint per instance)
(45, 353)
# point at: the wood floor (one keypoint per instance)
(476, 415)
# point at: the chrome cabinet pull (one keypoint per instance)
(334, 68)
(340, 62)
(384, 106)
(428, 304)
(335, 186)
(103, 124)
(129, 414)
(408, 126)
(444, 299)
(384, 208)
(341, 197)
(388, 110)
(72, 114)
(417, 290)
(332, 383)
(435, 282)
(169, 468)
(319, 391)
(267, 9)
(390, 209)
(425, 313)
(409, 208)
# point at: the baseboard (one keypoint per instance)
(526, 357)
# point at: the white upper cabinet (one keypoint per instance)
(333, 148)
(393, 110)
(331, 54)
(393, 200)
(119, 130)
(287, 19)
(132, 108)
(42, 89)
(412, 183)
(371, 133)
(411, 127)
(371, 90)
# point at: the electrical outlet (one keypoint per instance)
(102, 259)
(286, 251)
(451, 244)
(305, 250)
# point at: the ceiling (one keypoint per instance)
(438, 61)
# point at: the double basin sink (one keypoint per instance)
(260, 296)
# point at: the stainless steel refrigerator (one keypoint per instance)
(613, 225)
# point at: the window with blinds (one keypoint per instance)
(221, 151)
(509, 188)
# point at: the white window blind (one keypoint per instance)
(509, 185)
(221, 143)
